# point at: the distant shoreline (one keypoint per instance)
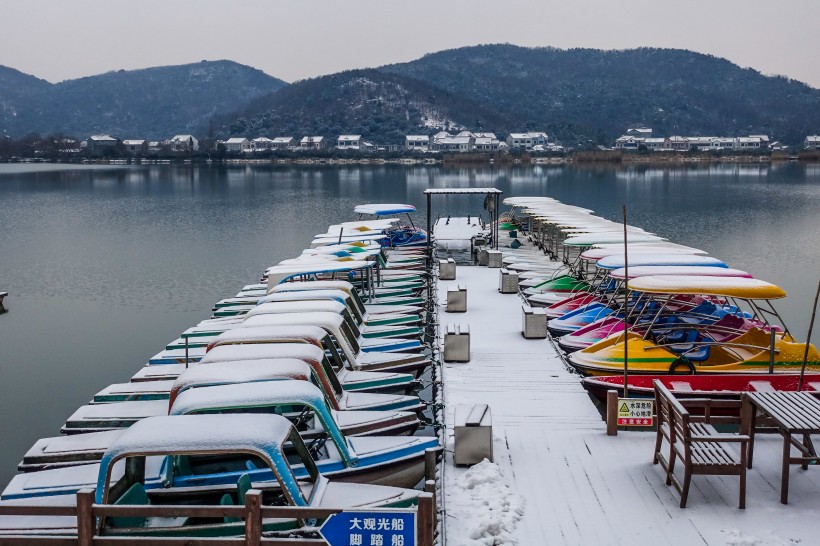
(580, 158)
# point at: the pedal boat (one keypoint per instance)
(300, 401)
(748, 352)
(200, 460)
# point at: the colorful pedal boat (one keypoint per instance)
(162, 449)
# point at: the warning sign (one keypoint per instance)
(635, 412)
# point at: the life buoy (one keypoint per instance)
(682, 361)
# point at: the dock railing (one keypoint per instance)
(252, 513)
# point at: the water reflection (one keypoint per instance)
(106, 265)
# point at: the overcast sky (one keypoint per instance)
(296, 39)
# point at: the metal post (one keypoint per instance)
(626, 303)
(253, 517)
(808, 339)
(86, 522)
(611, 412)
(771, 350)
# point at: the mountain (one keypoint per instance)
(588, 93)
(579, 96)
(382, 107)
(150, 103)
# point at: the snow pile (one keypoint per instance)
(483, 510)
(734, 537)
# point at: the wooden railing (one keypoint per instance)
(253, 512)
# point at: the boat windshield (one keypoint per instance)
(332, 355)
(358, 301)
(351, 323)
(354, 309)
(351, 339)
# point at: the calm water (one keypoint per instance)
(106, 265)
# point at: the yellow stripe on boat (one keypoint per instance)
(730, 287)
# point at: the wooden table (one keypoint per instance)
(796, 415)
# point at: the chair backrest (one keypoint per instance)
(227, 500)
(134, 495)
(243, 485)
(671, 411)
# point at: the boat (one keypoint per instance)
(728, 386)
(198, 460)
(311, 344)
(751, 346)
(298, 400)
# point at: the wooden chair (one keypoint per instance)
(699, 446)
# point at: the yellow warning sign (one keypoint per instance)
(636, 412)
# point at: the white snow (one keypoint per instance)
(485, 510)
(575, 484)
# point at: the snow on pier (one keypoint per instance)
(558, 479)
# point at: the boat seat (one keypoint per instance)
(243, 485)
(762, 386)
(134, 495)
(227, 500)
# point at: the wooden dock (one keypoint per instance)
(575, 484)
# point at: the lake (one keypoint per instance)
(105, 265)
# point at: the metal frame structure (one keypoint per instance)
(490, 193)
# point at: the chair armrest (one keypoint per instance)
(721, 438)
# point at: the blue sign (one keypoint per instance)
(370, 529)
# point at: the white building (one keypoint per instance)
(349, 142)
(642, 132)
(748, 143)
(722, 143)
(184, 143)
(626, 142)
(283, 143)
(678, 143)
(100, 142)
(454, 144)
(527, 140)
(812, 142)
(260, 144)
(312, 142)
(135, 147)
(417, 143)
(655, 144)
(237, 144)
(486, 143)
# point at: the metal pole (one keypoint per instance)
(771, 350)
(808, 339)
(626, 303)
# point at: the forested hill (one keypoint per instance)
(594, 92)
(153, 103)
(379, 106)
(579, 96)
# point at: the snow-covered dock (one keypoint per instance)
(559, 479)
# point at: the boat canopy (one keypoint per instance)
(594, 254)
(309, 306)
(590, 239)
(306, 352)
(248, 395)
(345, 239)
(304, 295)
(616, 261)
(221, 373)
(730, 287)
(269, 327)
(299, 286)
(257, 434)
(281, 273)
(696, 270)
(383, 209)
